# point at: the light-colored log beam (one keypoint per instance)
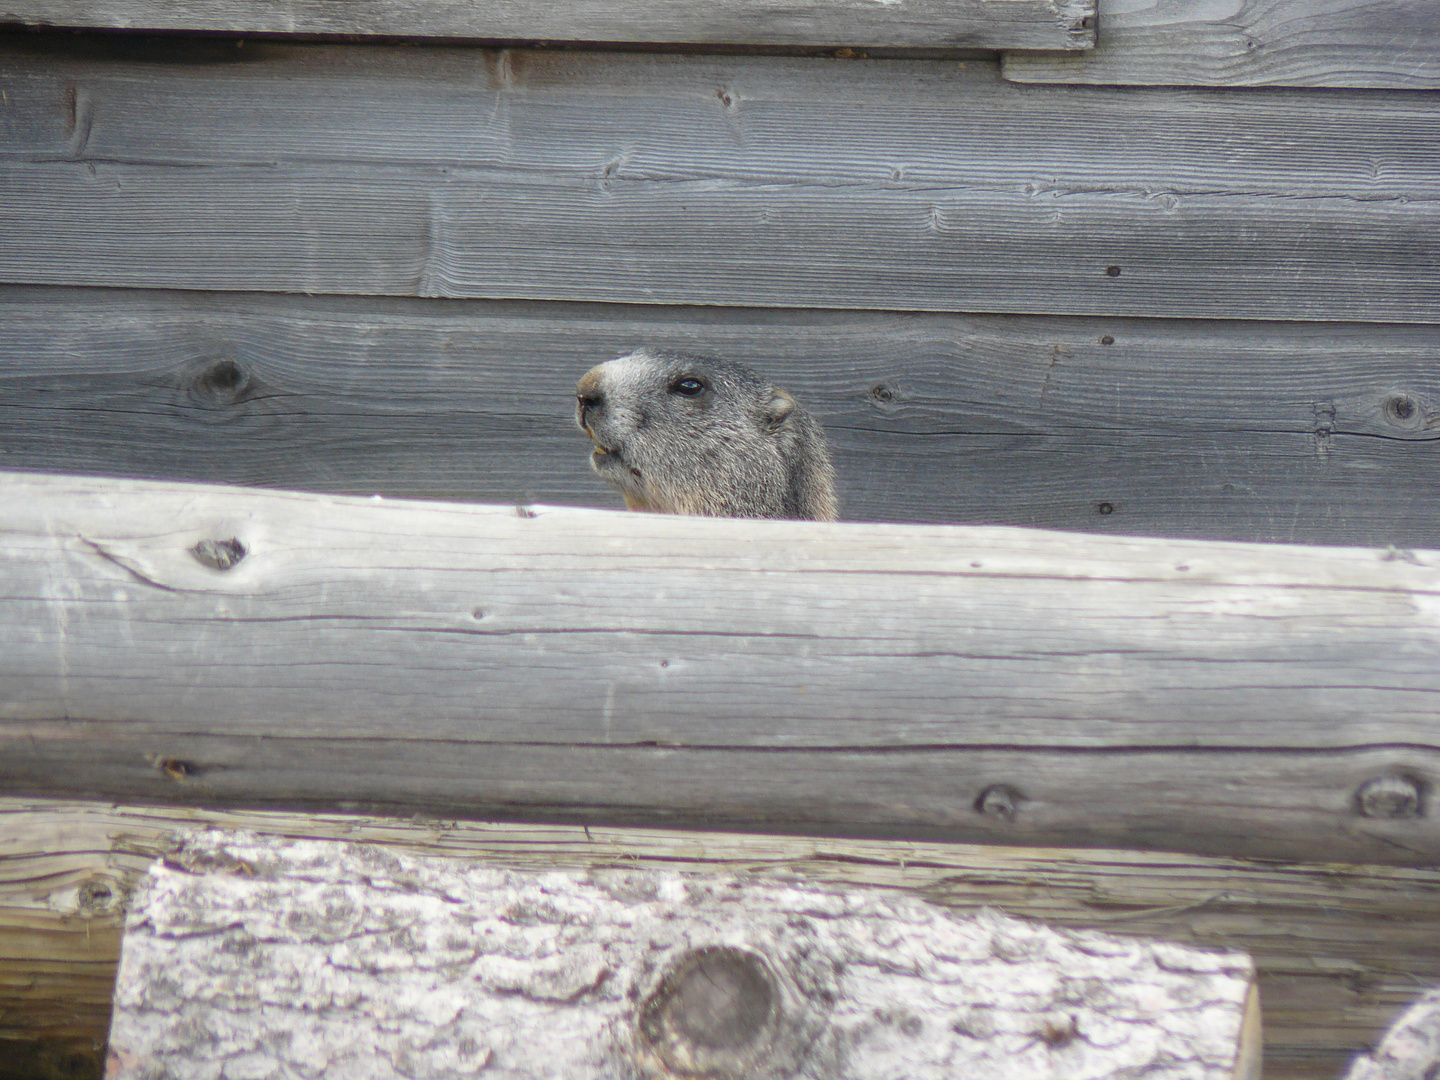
(219, 646)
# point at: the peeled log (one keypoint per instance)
(216, 646)
(256, 956)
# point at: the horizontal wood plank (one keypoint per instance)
(766, 181)
(1387, 44)
(973, 24)
(1340, 949)
(1217, 430)
(977, 684)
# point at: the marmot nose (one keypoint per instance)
(588, 395)
(584, 403)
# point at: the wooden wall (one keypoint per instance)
(1205, 310)
(1155, 268)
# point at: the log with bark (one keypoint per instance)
(251, 956)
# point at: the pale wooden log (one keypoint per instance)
(928, 24)
(1340, 949)
(185, 643)
(743, 180)
(250, 955)
(1222, 430)
(1388, 44)
(1410, 1050)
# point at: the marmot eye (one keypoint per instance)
(689, 387)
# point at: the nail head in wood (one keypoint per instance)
(1391, 797)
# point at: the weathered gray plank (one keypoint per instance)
(299, 956)
(1390, 44)
(964, 683)
(974, 24)
(767, 181)
(1218, 430)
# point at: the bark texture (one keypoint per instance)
(1410, 1049)
(250, 957)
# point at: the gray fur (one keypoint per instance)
(737, 448)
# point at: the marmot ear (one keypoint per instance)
(778, 409)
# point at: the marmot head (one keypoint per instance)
(678, 434)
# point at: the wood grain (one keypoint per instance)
(1216, 430)
(923, 681)
(1341, 950)
(763, 181)
(1385, 44)
(294, 956)
(974, 24)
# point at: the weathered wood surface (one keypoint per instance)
(273, 957)
(1410, 1050)
(1390, 44)
(1218, 430)
(955, 683)
(769, 181)
(1341, 950)
(929, 24)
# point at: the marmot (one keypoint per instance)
(678, 434)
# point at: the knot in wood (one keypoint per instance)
(1390, 797)
(999, 801)
(220, 382)
(219, 554)
(173, 768)
(1404, 411)
(97, 896)
(713, 1014)
(1058, 1030)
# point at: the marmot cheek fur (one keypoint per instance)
(678, 434)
